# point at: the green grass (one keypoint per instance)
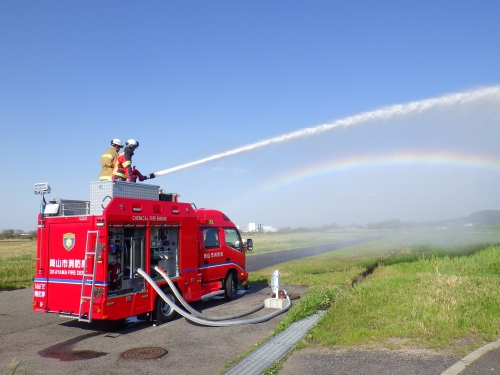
(433, 301)
(18, 264)
(442, 288)
(12, 248)
(15, 367)
(17, 272)
(338, 267)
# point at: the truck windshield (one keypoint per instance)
(233, 238)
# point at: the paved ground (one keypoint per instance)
(408, 361)
(191, 349)
(316, 361)
(488, 363)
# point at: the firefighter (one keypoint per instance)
(108, 159)
(122, 170)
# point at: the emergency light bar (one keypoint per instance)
(42, 188)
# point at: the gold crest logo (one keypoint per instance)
(69, 241)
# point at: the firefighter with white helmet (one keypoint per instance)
(108, 159)
(123, 170)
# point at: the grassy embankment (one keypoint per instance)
(17, 263)
(439, 290)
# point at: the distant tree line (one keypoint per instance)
(17, 234)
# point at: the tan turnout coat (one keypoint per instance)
(107, 163)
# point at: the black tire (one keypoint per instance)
(229, 287)
(165, 313)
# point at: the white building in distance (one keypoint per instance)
(253, 227)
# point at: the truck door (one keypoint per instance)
(134, 257)
(232, 247)
(213, 265)
(65, 253)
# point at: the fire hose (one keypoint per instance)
(197, 313)
(223, 323)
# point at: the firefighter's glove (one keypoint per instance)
(151, 175)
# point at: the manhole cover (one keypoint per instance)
(151, 352)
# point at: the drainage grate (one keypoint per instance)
(151, 352)
(271, 351)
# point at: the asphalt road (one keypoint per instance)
(408, 361)
(47, 344)
(486, 364)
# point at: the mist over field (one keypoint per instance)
(437, 165)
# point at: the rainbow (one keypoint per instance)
(398, 159)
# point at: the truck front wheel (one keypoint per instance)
(164, 312)
(229, 287)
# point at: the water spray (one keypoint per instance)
(379, 114)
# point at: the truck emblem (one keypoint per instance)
(69, 241)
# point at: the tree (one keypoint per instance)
(7, 234)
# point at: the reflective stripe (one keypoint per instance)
(121, 166)
(105, 178)
(107, 156)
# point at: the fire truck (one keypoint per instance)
(88, 253)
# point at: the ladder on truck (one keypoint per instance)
(88, 277)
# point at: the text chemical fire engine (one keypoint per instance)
(88, 253)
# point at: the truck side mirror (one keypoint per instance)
(249, 244)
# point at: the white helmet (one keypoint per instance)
(116, 142)
(132, 143)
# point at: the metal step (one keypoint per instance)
(68, 316)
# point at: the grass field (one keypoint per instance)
(17, 259)
(441, 289)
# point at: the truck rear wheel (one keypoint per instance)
(229, 287)
(164, 312)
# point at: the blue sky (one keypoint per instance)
(194, 78)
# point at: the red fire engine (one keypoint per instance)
(88, 253)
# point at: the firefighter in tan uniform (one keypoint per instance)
(108, 160)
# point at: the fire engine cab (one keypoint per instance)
(88, 253)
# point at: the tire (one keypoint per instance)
(165, 313)
(229, 287)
